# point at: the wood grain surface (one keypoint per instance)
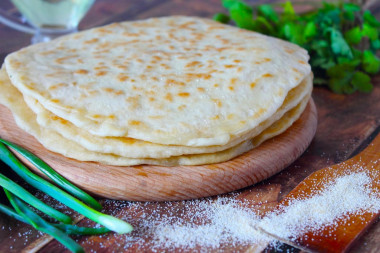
(160, 183)
(346, 125)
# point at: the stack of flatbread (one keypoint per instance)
(163, 91)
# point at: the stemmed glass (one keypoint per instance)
(47, 19)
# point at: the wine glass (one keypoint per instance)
(46, 19)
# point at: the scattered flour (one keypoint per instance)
(212, 223)
(350, 194)
(225, 221)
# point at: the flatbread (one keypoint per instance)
(171, 81)
(25, 118)
(134, 148)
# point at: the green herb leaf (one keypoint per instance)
(349, 10)
(263, 26)
(370, 19)
(240, 12)
(222, 18)
(320, 81)
(242, 19)
(354, 35)
(371, 63)
(338, 44)
(375, 45)
(268, 12)
(362, 82)
(338, 85)
(370, 32)
(236, 4)
(310, 30)
(341, 39)
(294, 33)
(288, 9)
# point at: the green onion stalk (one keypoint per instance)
(39, 183)
(54, 176)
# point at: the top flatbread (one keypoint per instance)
(173, 80)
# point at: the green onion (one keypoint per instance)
(33, 201)
(66, 228)
(108, 221)
(8, 211)
(54, 176)
(76, 230)
(40, 224)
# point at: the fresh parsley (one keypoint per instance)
(341, 38)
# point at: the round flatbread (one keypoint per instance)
(171, 81)
(26, 119)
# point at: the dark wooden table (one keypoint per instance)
(347, 123)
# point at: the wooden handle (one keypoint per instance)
(372, 152)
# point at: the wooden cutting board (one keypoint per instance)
(159, 183)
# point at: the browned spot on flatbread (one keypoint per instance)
(267, 75)
(135, 122)
(295, 70)
(184, 94)
(113, 91)
(169, 97)
(101, 73)
(259, 113)
(61, 60)
(198, 75)
(91, 41)
(181, 107)
(289, 50)
(81, 71)
(57, 86)
(134, 102)
(174, 82)
(193, 64)
(233, 81)
(218, 102)
(122, 77)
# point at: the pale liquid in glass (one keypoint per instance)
(53, 14)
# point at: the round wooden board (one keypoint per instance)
(159, 183)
